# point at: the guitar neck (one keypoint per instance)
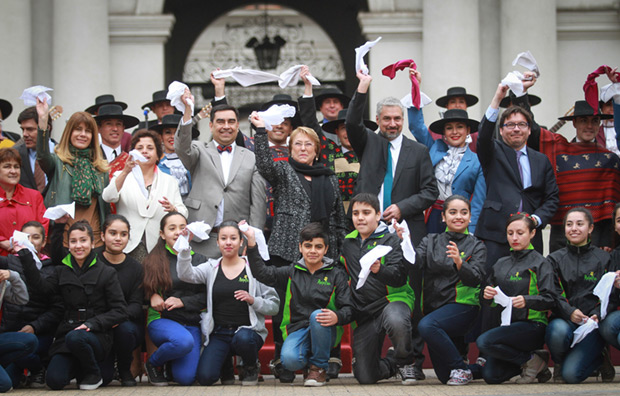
(556, 127)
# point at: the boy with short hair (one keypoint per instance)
(384, 303)
(317, 299)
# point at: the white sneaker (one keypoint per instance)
(460, 377)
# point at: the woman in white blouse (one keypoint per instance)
(143, 194)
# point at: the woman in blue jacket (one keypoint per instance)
(457, 168)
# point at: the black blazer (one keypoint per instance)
(26, 178)
(505, 190)
(414, 188)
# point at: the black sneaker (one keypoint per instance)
(126, 378)
(607, 370)
(418, 374)
(91, 382)
(155, 374)
(37, 379)
(286, 376)
(250, 375)
(227, 373)
(334, 367)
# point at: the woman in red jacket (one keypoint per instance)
(18, 204)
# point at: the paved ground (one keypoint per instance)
(347, 386)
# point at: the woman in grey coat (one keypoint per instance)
(304, 191)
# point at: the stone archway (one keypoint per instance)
(338, 19)
(223, 44)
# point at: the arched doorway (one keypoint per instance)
(223, 44)
(337, 19)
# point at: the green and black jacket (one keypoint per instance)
(327, 287)
(387, 285)
(526, 273)
(578, 269)
(443, 283)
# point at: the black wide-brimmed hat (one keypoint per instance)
(172, 121)
(279, 99)
(583, 109)
(453, 115)
(104, 100)
(532, 99)
(6, 108)
(454, 92)
(158, 96)
(331, 126)
(331, 93)
(113, 111)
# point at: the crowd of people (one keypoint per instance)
(317, 224)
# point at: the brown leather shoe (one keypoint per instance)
(316, 376)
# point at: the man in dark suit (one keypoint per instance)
(400, 172)
(518, 178)
(413, 186)
(32, 176)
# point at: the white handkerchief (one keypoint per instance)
(405, 244)
(276, 114)
(506, 302)
(514, 80)
(56, 212)
(368, 259)
(30, 95)
(181, 244)
(200, 229)
(260, 240)
(582, 331)
(359, 55)
(611, 91)
(137, 171)
(424, 100)
(603, 289)
(176, 89)
(526, 59)
(21, 238)
(246, 77)
(290, 77)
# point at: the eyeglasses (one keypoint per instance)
(513, 125)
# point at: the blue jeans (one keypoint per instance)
(506, 348)
(315, 340)
(86, 352)
(177, 344)
(224, 342)
(610, 329)
(32, 362)
(581, 360)
(14, 346)
(437, 327)
(127, 337)
(368, 337)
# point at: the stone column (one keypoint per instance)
(401, 33)
(532, 25)
(137, 58)
(451, 51)
(81, 58)
(15, 67)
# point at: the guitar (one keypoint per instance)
(205, 112)
(556, 127)
(55, 112)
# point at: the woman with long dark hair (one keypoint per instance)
(173, 318)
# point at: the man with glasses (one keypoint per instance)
(587, 173)
(518, 178)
